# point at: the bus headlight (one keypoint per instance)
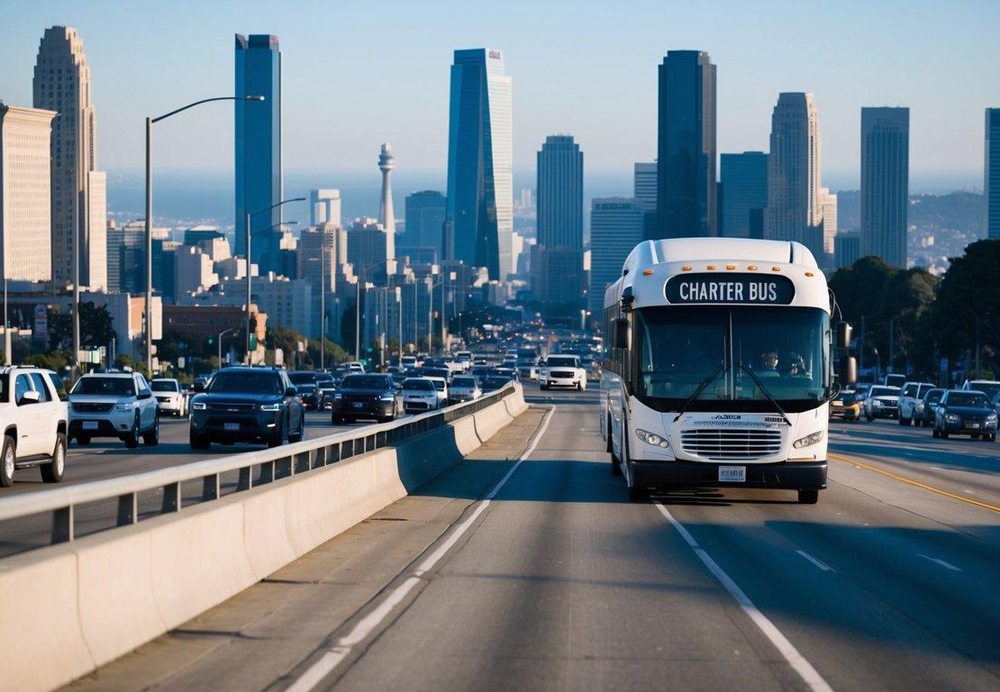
(652, 439)
(808, 440)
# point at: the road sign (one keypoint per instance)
(41, 330)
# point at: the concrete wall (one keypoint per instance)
(68, 609)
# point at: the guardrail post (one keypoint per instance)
(171, 498)
(128, 509)
(62, 525)
(210, 487)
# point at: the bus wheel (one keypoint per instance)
(808, 497)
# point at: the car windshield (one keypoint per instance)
(680, 347)
(164, 386)
(885, 391)
(561, 362)
(365, 382)
(990, 389)
(934, 396)
(418, 385)
(847, 397)
(245, 382)
(108, 386)
(969, 399)
(302, 377)
(463, 382)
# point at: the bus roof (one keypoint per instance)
(652, 263)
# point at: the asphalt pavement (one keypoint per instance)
(503, 574)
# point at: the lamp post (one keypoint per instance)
(250, 215)
(149, 236)
(222, 334)
(357, 303)
(450, 276)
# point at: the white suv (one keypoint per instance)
(34, 423)
(114, 404)
(910, 397)
(420, 394)
(169, 396)
(562, 371)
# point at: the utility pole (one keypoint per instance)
(322, 305)
(357, 315)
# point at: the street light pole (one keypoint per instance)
(322, 306)
(222, 334)
(149, 236)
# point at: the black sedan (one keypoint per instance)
(928, 406)
(366, 397)
(964, 412)
(243, 404)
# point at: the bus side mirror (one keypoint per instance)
(844, 331)
(619, 339)
(848, 371)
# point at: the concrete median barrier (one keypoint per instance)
(70, 608)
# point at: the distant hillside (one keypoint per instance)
(960, 211)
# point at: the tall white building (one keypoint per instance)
(62, 84)
(829, 204)
(25, 197)
(386, 162)
(794, 205)
(194, 271)
(324, 205)
(616, 226)
(369, 247)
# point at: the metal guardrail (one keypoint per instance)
(275, 463)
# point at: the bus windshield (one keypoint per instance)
(679, 347)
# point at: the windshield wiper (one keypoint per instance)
(701, 387)
(763, 390)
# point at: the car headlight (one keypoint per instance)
(387, 397)
(992, 418)
(952, 418)
(876, 403)
(125, 407)
(270, 407)
(198, 406)
(652, 439)
(808, 440)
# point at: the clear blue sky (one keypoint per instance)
(359, 73)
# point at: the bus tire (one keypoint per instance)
(808, 497)
(636, 493)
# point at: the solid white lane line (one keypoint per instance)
(798, 663)
(332, 658)
(946, 565)
(816, 561)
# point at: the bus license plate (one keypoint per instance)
(732, 474)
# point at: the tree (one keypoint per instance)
(968, 306)
(97, 327)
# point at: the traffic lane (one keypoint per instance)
(564, 584)
(961, 466)
(873, 595)
(108, 457)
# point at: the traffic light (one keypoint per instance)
(253, 342)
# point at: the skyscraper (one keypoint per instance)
(479, 219)
(744, 188)
(425, 213)
(616, 226)
(794, 208)
(324, 205)
(644, 186)
(885, 182)
(62, 84)
(25, 197)
(560, 193)
(258, 149)
(992, 180)
(386, 162)
(686, 149)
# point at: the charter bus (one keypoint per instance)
(718, 368)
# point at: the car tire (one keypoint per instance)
(935, 433)
(199, 441)
(8, 460)
(279, 439)
(152, 438)
(543, 387)
(131, 438)
(869, 418)
(53, 471)
(943, 435)
(297, 437)
(904, 421)
(808, 497)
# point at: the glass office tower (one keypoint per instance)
(258, 148)
(479, 221)
(686, 146)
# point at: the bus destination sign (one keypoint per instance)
(741, 289)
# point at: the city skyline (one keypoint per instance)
(946, 117)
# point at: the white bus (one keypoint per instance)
(719, 367)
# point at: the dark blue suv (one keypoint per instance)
(244, 404)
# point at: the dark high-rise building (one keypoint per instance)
(992, 180)
(744, 188)
(126, 257)
(424, 227)
(686, 149)
(847, 249)
(479, 221)
(644, 186)
(258, 149)
(885, 181)
(560, 193)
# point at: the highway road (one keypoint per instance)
(526, 567)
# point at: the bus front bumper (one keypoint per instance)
(792, 475)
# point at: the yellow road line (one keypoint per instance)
(910, 481)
